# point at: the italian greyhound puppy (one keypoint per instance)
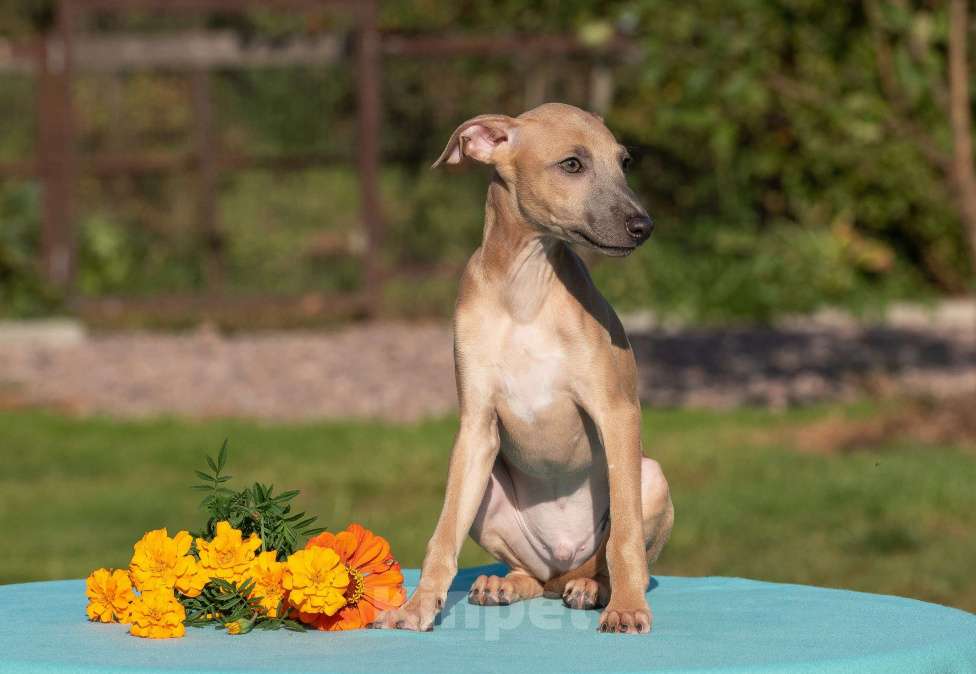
(547, 471)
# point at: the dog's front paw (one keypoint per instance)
(626, 621)
(493, 591)
(417, 615)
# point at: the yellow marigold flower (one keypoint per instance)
(234, 628)
(268, 575)
(316, 580)
(161, 562)
(157, 614)
(109, 595)
(227, 556)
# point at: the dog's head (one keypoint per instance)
(566, 171)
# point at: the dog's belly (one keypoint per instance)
(560, 520)
(560, 493)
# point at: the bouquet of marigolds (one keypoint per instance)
(245, 569)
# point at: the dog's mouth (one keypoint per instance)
(613, 251)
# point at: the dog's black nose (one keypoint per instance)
(639, 226)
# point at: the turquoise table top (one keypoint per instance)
(700, 625)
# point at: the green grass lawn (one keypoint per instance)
(76, 493)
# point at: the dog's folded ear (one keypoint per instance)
(481, 138)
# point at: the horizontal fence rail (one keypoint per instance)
(53, 61)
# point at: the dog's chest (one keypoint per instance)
(531, 371)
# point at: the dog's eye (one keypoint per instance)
(626, 162)
(571, 165)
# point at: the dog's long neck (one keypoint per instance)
(519, 259)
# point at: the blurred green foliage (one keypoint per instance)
(22, 292)
(893, 518)
(770, 162)
(769, 152)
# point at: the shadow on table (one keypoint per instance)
(458, 591)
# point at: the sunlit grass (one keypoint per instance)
(75, 494)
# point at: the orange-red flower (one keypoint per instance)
(375, 580)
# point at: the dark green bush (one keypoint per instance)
(22, 292)
(770, 156)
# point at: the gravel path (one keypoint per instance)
(402, 371)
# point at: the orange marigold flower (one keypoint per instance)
(109, 594)
(268, 575)
(156, 614)
(316, 581)
(227, 556)
(376, 582)
(161, 562)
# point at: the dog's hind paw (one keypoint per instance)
(582, 593)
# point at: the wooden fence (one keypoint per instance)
(54, 59)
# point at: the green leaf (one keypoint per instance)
(222, 456)
(304, 523)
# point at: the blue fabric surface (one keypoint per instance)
(701, 624)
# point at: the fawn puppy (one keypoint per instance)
(547, 471)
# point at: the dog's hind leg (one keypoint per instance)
(656, 508)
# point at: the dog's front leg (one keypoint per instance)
(472, 458)
(627, 611)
